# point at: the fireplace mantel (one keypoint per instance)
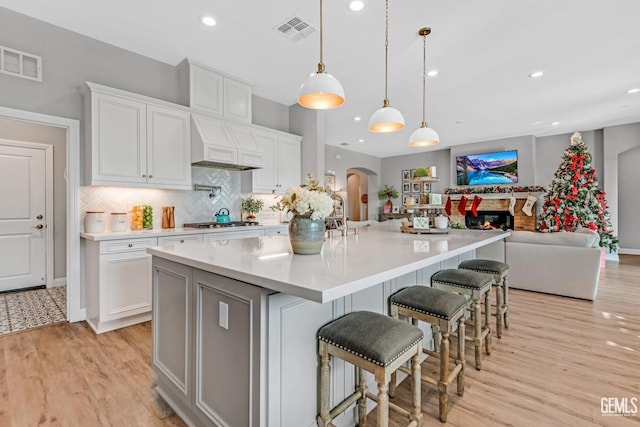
(499, 196)
(498, 202)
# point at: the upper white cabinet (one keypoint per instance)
(214, 93)
(282, 164)
(132, 140)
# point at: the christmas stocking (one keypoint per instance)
(462, 206)
(512, 204)
(531, 200)
(447, 206)
(476, 203)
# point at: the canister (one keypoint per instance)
(118, 221)
(94, 222)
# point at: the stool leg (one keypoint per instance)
(362, 402)
(393, 312)
(505, 288)
(444, 374)
(435, 331)
(499, 308)
(416, 386)
(487, 321)
(383, 406)
(324, 419)
(477, 333)
(461, 361)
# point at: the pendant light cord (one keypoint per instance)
(424, 78)
(321, 64)
(386, 53)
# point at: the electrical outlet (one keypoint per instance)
(223, 320)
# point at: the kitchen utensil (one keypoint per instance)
(168, 219)
(223, 216)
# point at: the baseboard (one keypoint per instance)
(62, 281)
(628, 251)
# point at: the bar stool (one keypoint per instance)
(442, 309)
(374, 343)
(476, 286)
(500, 271)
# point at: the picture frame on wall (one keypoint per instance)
(406, 174)
(406, 187)
(412, 174)
(426, 187)
(409, 200)
(416, 187)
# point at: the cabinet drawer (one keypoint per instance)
(173, 240)
(228, 235)
(126, 245)
(277, 231)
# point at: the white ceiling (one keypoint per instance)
(483, 50)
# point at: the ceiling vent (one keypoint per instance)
(295, 28)
(20, 64)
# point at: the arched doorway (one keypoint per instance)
(360, 182)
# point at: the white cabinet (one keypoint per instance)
(282, 164)
(118, 282)
(280, 231)
(211, 92)
(132, 140)
(257, 231)
(174, 240)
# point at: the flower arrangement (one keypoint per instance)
(307, 199)
(252, 205)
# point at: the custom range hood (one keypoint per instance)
(220, 144)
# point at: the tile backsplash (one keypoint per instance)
(190, 206)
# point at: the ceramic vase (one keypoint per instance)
(306, 235)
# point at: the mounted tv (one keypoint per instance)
(488, 168)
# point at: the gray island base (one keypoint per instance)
(235, 322)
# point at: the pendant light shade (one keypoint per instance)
(386, 119)
(424, 136)
(321, 91)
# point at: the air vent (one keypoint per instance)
(295, 28)
(20, 64)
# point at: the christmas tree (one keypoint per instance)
(574, 200)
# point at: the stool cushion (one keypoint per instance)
(462, 278)
(485, 266)
(431, 301)
(374, 337)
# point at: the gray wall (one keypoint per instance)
(270, 114)
(620, 141)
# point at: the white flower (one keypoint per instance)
(304, 201)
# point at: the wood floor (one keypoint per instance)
(552, 368)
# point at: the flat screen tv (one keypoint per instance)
(488, 168)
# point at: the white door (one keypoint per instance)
(22, 217)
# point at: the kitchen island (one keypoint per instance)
(234, 323)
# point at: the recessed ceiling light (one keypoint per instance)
(357, 118)
(555, 123)
(361, 140)
(208, 21)
(634, 90)
(355, 5)
(536, 74)
(432, 73)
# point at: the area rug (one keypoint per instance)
(31, 309)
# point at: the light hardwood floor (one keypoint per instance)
(551, 368)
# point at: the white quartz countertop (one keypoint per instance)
(163, 232)
(346, 265)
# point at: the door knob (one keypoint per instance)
(39, 217)
(38, 227)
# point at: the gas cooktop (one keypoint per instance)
(220, 224)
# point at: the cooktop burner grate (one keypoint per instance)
(220, 224)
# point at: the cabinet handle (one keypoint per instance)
(150, 176)
(182, 241)
(130, 245)
(144, 175)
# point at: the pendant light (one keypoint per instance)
(386, 119)
(321, 91)
(424, 136)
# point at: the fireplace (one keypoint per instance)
(489, 220)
